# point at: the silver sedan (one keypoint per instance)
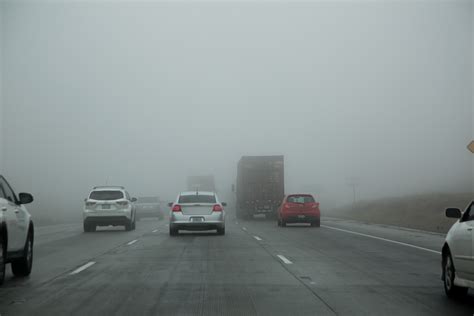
(197, 211)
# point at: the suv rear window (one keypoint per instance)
(300, 199)
(197, 199)
(106, 195)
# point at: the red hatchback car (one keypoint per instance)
(299, 208)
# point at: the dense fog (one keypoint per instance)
(142, 94)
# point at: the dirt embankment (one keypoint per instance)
(425, 211)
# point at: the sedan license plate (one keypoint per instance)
(301, 216)
(197, 219)
(106, 206)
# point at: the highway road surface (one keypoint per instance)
(257, 268)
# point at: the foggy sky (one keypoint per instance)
(143, 94)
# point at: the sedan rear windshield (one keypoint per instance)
(106, 195)
(197, 199)
(300, 199)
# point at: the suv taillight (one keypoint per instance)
(217, 208)
(176, 208)
(122, 203)
(90, 204)
(315, 205)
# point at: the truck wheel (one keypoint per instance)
(283, 223)
(87, 228)
(3, 257)
(452, 291)
(134, 224)
(22, 267)
(316, 223)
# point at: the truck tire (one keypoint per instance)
(283, 223)
(128, 225)
(316, 223)
(221, 230)
(22, 267)
(3, 257)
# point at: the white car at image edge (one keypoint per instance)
(458, 253)
(16, 231)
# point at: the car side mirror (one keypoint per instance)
(25, 198)
(133, 200)
(224, 204)
(170, 204)
(453, 212)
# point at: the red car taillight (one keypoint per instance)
(315, 205)
(176, 208)
(217, 208)
(287, 205)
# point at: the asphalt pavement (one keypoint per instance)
(257, 268)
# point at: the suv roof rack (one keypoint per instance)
(108, 186)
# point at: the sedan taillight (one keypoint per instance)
(176, 208)
(217, 208)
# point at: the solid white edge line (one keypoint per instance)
(383, 239)
(155, 231)
(82, 268)
(258, 238)
(285, 260)
(244, 228)
(132, 242)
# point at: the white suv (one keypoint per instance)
(458, 253)
(16, 231)
(109, 205)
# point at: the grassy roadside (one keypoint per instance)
(424, 211)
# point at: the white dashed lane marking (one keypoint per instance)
(83, 267)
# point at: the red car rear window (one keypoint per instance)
(300, 199)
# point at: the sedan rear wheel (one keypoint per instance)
(221, 231)
(87, 227)
(452, 291)
(173, 231)
(3, 253)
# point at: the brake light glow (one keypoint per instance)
(217, 208)
(176, 208)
